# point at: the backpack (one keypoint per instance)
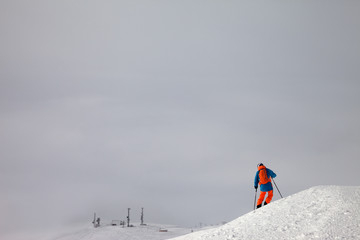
(263, 176)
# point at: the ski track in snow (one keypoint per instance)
(323, 212)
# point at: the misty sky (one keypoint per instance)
(170, 105)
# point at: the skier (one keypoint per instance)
(263, 177)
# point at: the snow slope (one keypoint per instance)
(104, 232)
(323, 212)
(108, 232)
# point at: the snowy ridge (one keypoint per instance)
(323, 212)
(108, 232)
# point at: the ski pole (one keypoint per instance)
(255, 198)
(277, 189)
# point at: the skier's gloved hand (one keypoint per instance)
(256, 187)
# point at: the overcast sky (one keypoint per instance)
(170, 105)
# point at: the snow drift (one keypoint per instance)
(323, 212)
(149, 232)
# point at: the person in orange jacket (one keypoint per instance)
(263, 177)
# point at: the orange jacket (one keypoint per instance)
(267, 186)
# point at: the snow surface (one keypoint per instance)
(149, 232)
(323, 212)
(105, 232)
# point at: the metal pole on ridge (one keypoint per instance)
(255, 199)
(277, 188)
